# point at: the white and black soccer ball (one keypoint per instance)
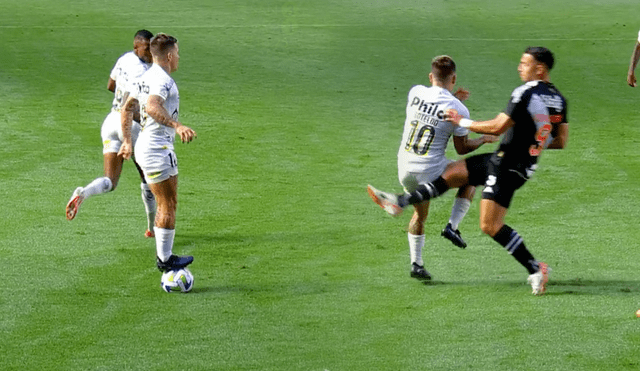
(177, 280)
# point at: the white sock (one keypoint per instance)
(98, 186)
(164, 242)
(416, 243)
(149, 204)
(458, 211)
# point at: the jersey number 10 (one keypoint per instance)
(420, 139)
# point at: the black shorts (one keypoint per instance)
(500, 182)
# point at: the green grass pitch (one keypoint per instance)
(298, 105)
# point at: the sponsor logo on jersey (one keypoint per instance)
(552, 101)
(427, 108)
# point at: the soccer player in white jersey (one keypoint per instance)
(635, 56)
(421, 157)
(158, 100)
(128, 67)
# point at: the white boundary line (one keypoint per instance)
(88, 27)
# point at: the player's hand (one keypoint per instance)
(488, 138)
(453, 116)
(631, 79)
(186, 134)
(126, 150)
(462, 94)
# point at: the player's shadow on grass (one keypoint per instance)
(580, 286)
(576, 286)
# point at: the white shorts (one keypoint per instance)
(157, 165)
(111, 133)
(411, 179)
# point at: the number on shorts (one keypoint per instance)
(172, 160)
(420, 139)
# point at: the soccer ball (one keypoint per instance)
(177, 280)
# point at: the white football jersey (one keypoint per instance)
(127, 68)
(426, 133)
(156, 81)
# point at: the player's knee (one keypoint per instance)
(489, 227)
(416, 224)
(467, 192)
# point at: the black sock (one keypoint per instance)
(511, 240)
(424, 192)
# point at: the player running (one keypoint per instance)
(535, 119)
(128, 67)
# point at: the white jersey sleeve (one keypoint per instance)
(639, 36)
(114, 71)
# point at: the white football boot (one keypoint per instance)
(539, 279)
(387, 201)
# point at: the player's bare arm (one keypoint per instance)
(635, 56)
(111, 85)
(130, 106)
(561, 137)
(155, 109)
(464, 144)
(497, 126)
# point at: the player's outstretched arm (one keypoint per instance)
(155, 109)
(497, 126)
(464, 144)
(126, 120)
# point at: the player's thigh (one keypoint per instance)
(111, 133)
(501, 185)
(166, 191)
(410, 180)
(477, 168)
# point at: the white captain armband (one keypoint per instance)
(465, 123)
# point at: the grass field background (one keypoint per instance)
(298, 105)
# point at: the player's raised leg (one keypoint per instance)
(387, 201)
(112, 170)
